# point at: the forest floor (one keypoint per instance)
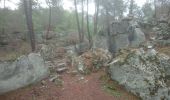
(165, 50)
(71, 86)
(78, 87)
(95, 86)
(14, 50)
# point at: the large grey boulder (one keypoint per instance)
(100, 42)
(119, 37)
(163, 31)
(119, 26)
(122, 41)
(136, 36)
(123, 33)
(4, 40)
(163, 19)
(22, 72)
(139, 37)
(143, 73)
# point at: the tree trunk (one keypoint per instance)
(155, 14)
(169, 12)
(77, 19)
(108, 28)
(3, 27)
(88, 29)
(131, 7)
(82, 21)
(110, 38)
(28, 15)
(96, 16)
(49, 22)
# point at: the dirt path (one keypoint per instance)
(74, 88)
(90, 88)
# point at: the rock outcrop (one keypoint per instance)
(4, 40)
(137, 34)
(90, 61)
(162, 29)
(124, 33)
(143, 73)
(22, 72)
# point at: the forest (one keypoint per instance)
(84, 49)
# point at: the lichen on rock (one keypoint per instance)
(143, 73)
(92, 60)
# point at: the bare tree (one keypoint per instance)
(155, 9)
(110, 36)
(49, 20)
(82, 20)
(96, 16)
(131, 7)
(3, 27)
(108, 29)
(77, 19)
(28, 15)
(88, 29)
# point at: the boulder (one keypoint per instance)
(92, 61)
(47, 52)
(51, 51)
(49, 35)
(22, 72)
(139, 37)
(163, 19)
(4, 40)
(81, 47)
(100, 42)
(119, 26)
(111, 42)
(162, 31)
(122, 34)
(143, 73)
(136, 36)
(162, 42)
(119, 37)
(122, 41)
